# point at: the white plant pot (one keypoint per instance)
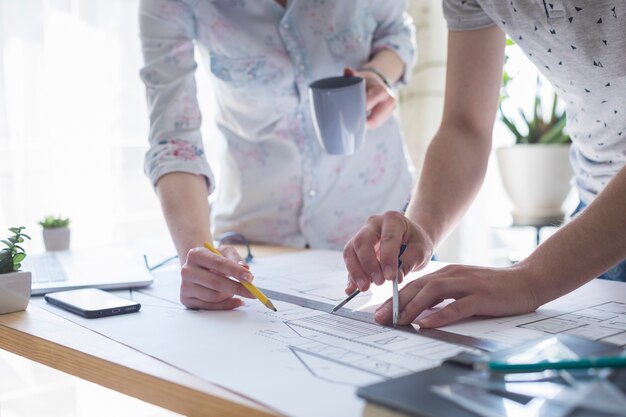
(57, 238)
(537, 179)
(14, 291)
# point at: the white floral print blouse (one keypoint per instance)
(276, 185)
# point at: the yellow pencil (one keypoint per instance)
(248, 285)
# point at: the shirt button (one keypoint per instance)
(301, 68)
(299, 116)
(312, 193)
(251, 76)
(285, 25)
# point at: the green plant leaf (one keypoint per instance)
(12, 256)
(553, 115)
(51, 222)
(6, 263)
(555, 133)
(537, 114)
(18, 257)
(511, 126)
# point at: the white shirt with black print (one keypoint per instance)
(580, 46)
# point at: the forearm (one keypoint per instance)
(184, 201)
(583, 249)
(453, 171)
(456, 160)
(387, 63)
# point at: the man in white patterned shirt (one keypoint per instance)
(579, 46)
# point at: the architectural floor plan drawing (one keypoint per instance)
(606, 322)
(588, 312)
(334, 348)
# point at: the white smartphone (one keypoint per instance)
(92, 303)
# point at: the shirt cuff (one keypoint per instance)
(177, 156)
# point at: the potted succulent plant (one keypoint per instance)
(56, 233)
(14, 284)
(536, 171)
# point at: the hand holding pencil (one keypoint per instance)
(248, 285)
(214, 282)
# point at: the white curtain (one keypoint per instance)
(73, 119)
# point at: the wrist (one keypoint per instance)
(530, 288)
(378, 73)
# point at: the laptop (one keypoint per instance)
(107, 268)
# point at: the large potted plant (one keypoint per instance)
(15, 285)
(536, 171)
(56, 233)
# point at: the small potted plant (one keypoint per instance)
(56, 233)
(535, 171)
(14, 284)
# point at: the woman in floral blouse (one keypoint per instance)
(277, 185)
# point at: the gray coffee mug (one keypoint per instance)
(339, 116)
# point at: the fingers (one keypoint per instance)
(219, 265)
(383, 314)
(425, 293)
(196, 279)
(360, 255)
(455, 311)
(351, 286)
(358, 277)
(380, 101)
(198, 304)
(375, 95)
(381, 112)
(205, 283)
(192, 274)
(422, 297)
(231, 253)
(384, 234)
(393, 233)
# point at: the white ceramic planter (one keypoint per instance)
(57, 238)
(537, 179)
(14, 291)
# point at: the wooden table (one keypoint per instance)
(46, 338)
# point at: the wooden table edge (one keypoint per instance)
(173, 389)
(175, 396)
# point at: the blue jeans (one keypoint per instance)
(617, 272)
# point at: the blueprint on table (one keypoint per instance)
(304, 362)
(297, 361)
